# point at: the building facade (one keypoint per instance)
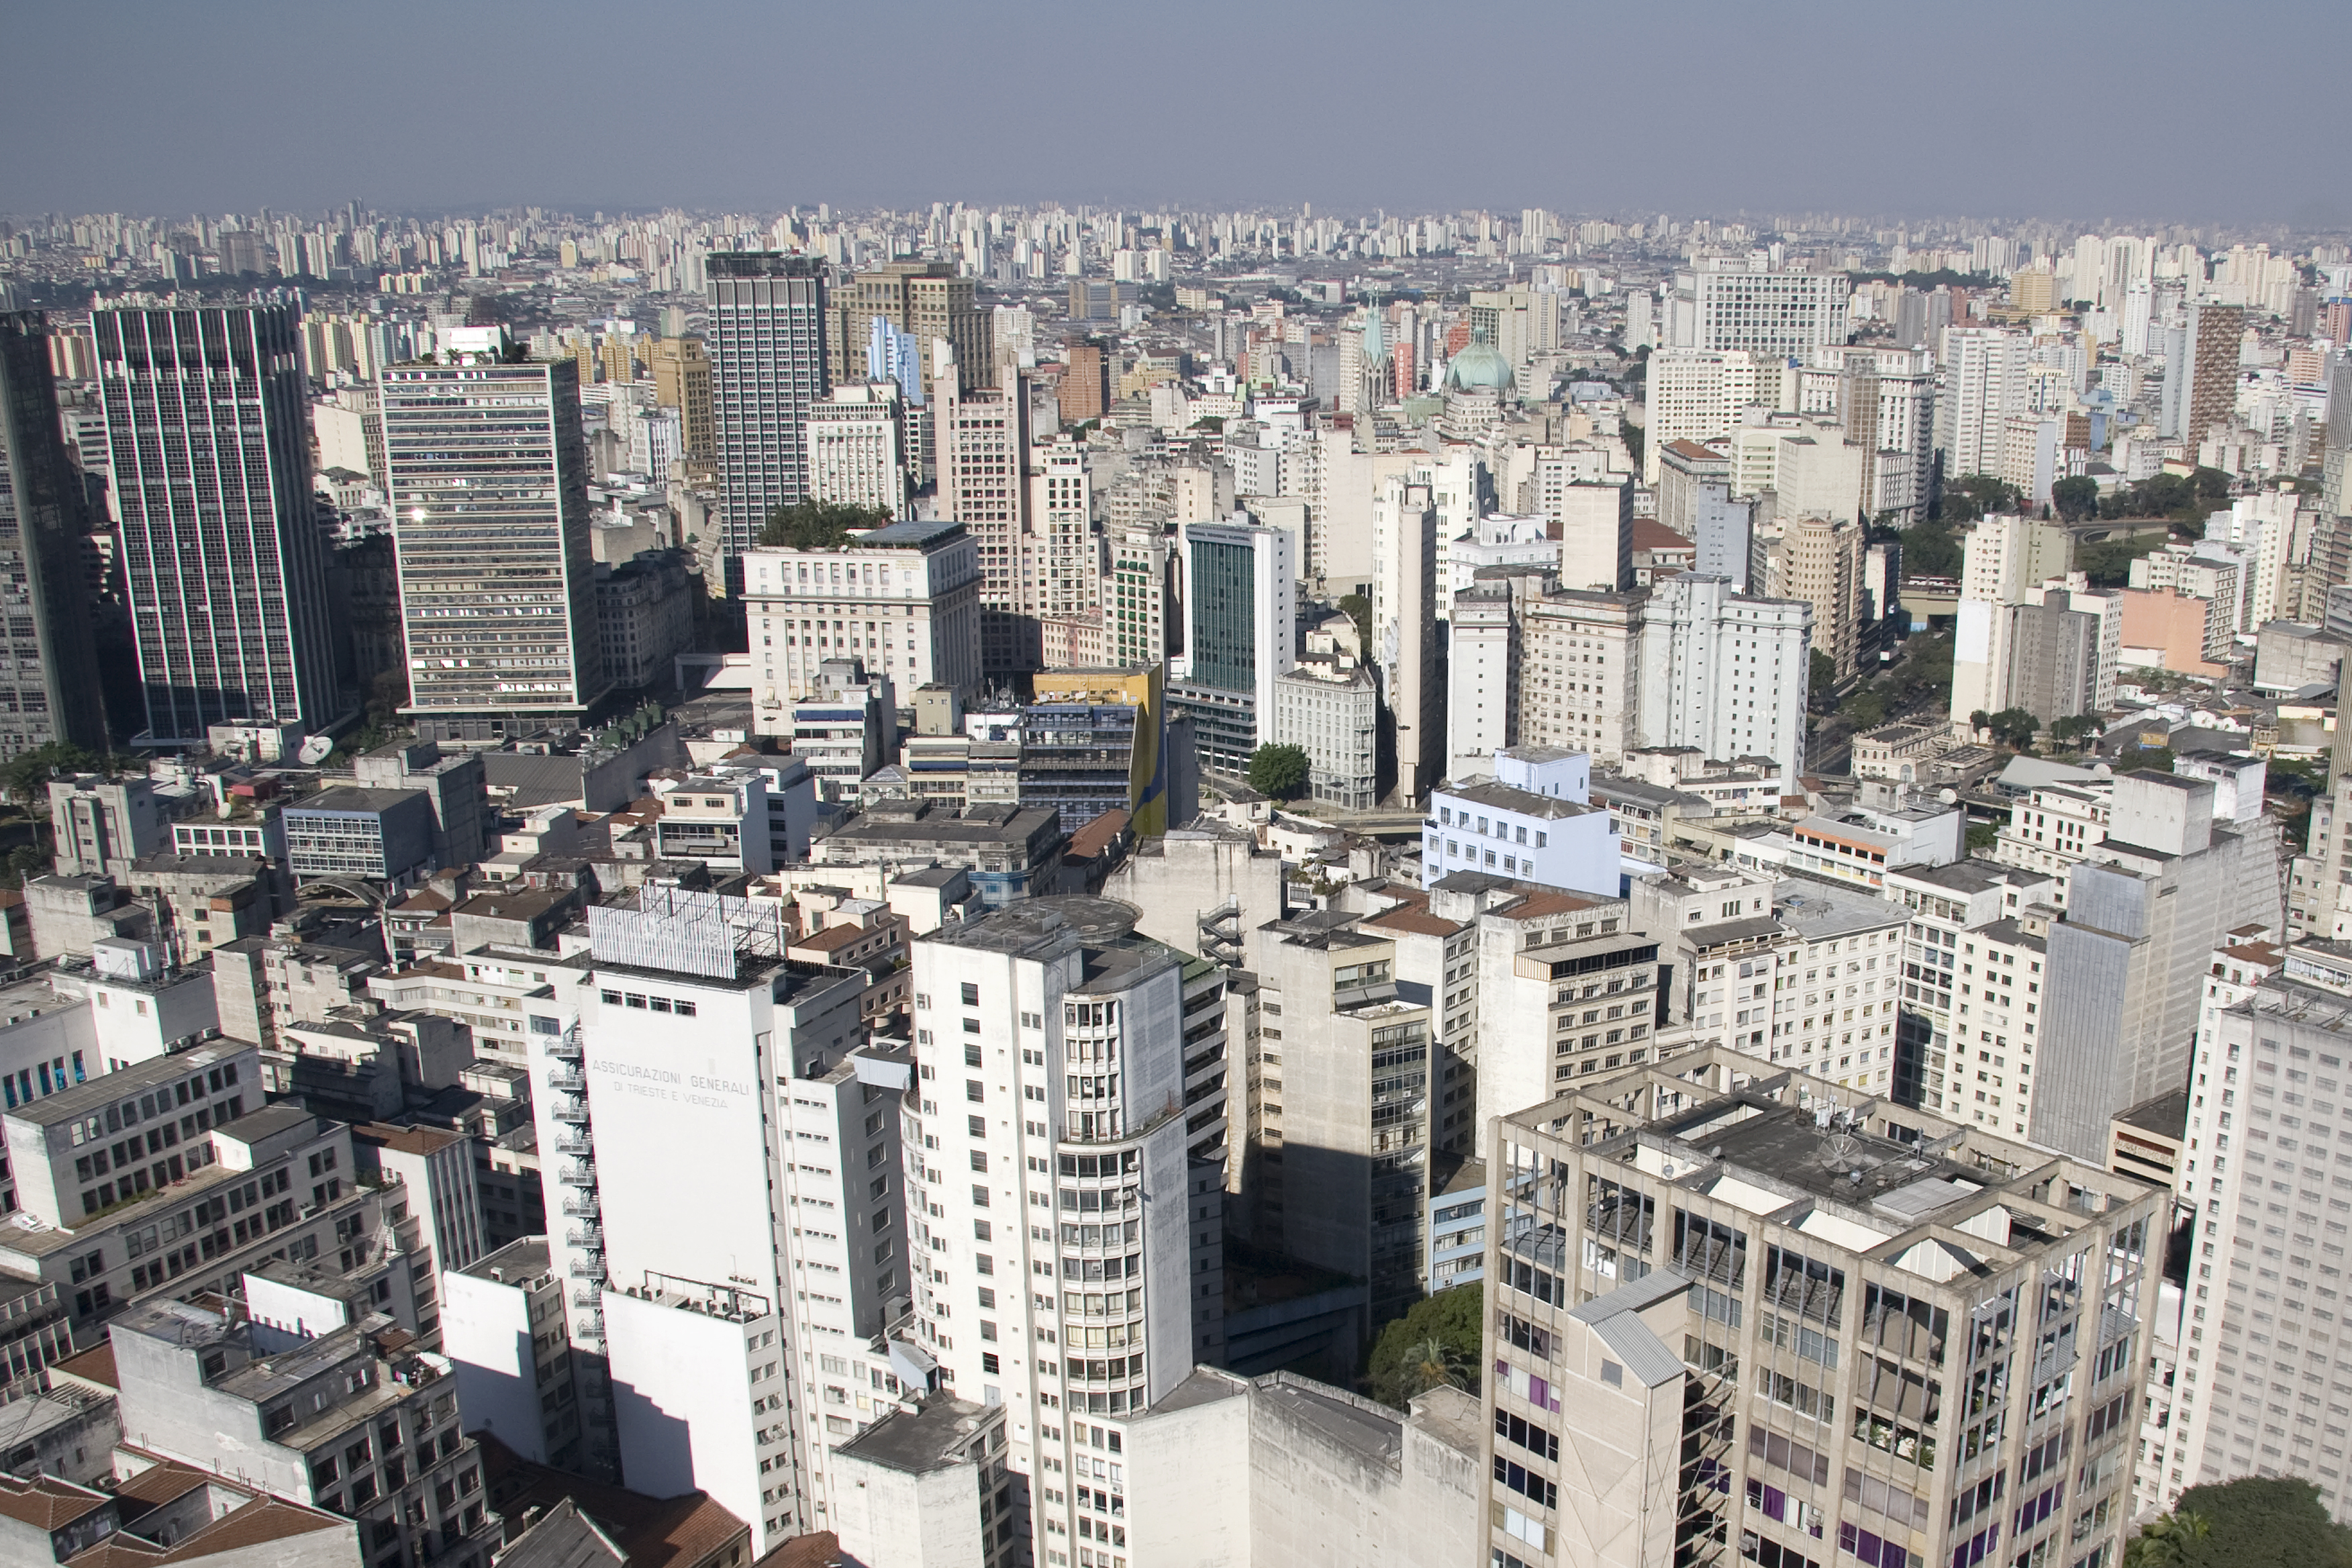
(904, 599)
(208, 436)
(767, 344)
(49, 668)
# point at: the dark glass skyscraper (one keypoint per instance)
(48, 673)
(206, 430)
(767, 342)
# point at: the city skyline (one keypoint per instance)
(1515, 119)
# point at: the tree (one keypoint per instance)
(2076, 497)
(2250, 1523)
(1279, 772)
(1972, 496)
(1360, 610)
(1821, 675)
(2074, 727)
(2107, 563)
(1435, 1342)
(2013, 727)
(27, 772)
(1866, 710)
(1930, 550)
(1635, 439)
(819, 524)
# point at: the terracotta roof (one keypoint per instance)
(1649, 533)
(1536, 906)
(45, 1503)
(159, 1484)
(1406, 918)
(404, 1139)
(258, 1524)
(93, 1365)
(657, 1533)
(835, 936)
(1688, 449)
(817, 1550)
(422, 900)
(1099, 835)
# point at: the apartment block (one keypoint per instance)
(903, 599)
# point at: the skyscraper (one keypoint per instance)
(1075, 1267)
(209, 440)
(48, 673)
(2003, 561)
(983, 452)
(1729, 304)
(768, 360)
(1241, 598)
(1984, 384)
(682, 380)
(924, 299)
(2201, 384)
(489, 504)
(1724, 672)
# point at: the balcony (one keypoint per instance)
(590, 1237)
(589, 1296)
(565, 1047)
(573, 1110)
(581, 1205)
(573, 1143)
(565, 1080)
(589, 1266)
(578, 1173)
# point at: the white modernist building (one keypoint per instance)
(903, 600)
(858, 448)
(1724, 672)
(1533, 820)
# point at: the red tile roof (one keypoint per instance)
(1099, 835)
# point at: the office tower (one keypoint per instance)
(1137, 613)
(1482, 672)
(682, 380)
(1403, 651)
(1775, 1313)
(1095, 741)
(1697, 396)
(922, 300)
(1724, 672)
(1241, 593)
(1342, 1161)
(209, 435)
(767, 346)
(1580, 674)
(1818, 559)
(1527, 815)
(2143, 917)
(1685, 466)
(2060, 656)
(1062, 506)
(48, 691)
(1330, 709)
(2034, 291)
(2200, 371)
(983, 454)
(1595, 531)
(1083, 392)
(1886, 401)
(859, 447)
(712, 1340)
(1807, 464)
(1983, 908)
(1984, 384)
(1724, 538)
(1726, 307)
(2003, 561)
(904, 599)
(489, 502)
(1065, 1153)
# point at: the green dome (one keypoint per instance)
(1480, 367)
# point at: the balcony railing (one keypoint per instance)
(581, 1205)
(565, 1047)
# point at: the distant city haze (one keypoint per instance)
(2147, 112)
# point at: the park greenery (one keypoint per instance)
(2255, 1522)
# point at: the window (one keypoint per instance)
(971, 994)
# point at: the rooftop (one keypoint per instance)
(2167, 1114)
(126, 1083)
(935, 1435)
(1506, 798)
(1041, 927)
(352, 799)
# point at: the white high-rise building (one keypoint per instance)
(1724, 672)
(1696, 395)
(1065, 1162)
(858, 448)
(2003, 560)
(1984, 384)
(1403, 654)
(725, 1341)
(1063, 506)
(1733, 305)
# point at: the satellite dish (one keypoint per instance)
(315, 748)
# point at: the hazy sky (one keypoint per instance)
(2151, 111)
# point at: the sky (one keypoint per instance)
(2160, 112)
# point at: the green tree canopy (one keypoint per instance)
(1360, 610)
(1972, 496)
(27, 772)
(1930, 549)
(2076, 497)
(2013, 727)
(1435, 1342)
(1279, 772)
(1821, 675)
(819, 524)
(2250, 1523)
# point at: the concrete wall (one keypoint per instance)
(888, 1518)
(1192, 877)
(682, 1402)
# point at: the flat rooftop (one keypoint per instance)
(933, 1438)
